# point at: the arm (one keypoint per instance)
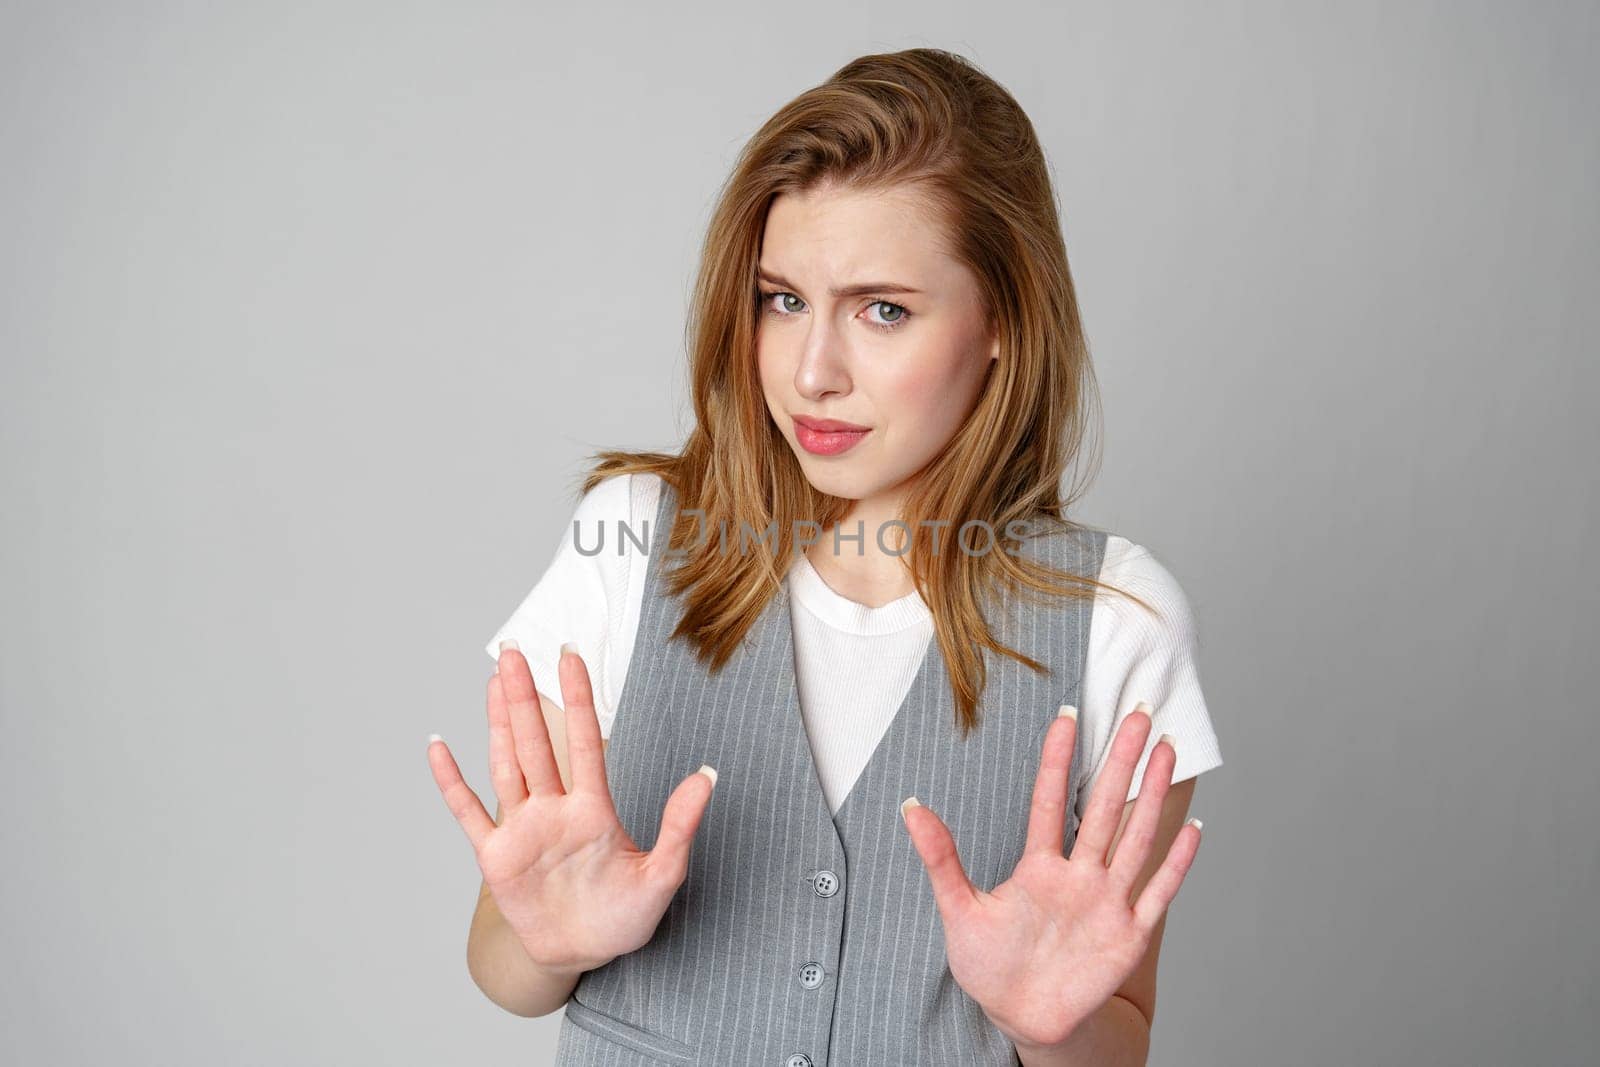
(1118, 1035)
(495, 957)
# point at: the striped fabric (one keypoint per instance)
(802, 939)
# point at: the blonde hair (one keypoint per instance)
(929, 118)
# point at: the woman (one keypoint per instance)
(868, 593)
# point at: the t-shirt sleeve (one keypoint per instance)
(1133, 656)
(572, 600)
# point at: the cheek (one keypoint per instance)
(769, 369)
(925, 397)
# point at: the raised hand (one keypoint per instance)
(570, 882)
(1052, 943)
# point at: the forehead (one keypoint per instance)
(836, 236)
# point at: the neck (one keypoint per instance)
(862, 570)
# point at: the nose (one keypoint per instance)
(823, 369)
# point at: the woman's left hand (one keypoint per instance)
(1052, 943)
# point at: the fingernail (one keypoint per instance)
(1143, 705)
(568, 646)
(1192, 821)
(508, 643)
(705, 768)
(434, 737)
(1169, 739)
(908, 802)
(1068, 712)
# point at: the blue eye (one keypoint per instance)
(896, 314)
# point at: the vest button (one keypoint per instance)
(811, 975)
(826, 883)
(799, 1059)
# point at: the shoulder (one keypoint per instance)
(571, 598)
(1134, 567)
(586, 594)
(1138, 654)
(629, 496)
(611, 499)
(645, 489)
(1130, 567)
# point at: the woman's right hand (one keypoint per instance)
(563, 871)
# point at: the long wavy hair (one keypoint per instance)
(930, 118)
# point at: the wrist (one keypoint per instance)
(1037, 1049)
(563, 971)
(1035, 1034)
(1115, 1033)
(551, 965)
(563, 966)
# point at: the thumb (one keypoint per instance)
(680, 819)
(952, 890)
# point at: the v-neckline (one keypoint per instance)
(915, 692)
(812, 591)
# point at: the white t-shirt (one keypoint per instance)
(854, 664)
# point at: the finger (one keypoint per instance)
(680, 819)
(458, 796)
(529, 735)
(1163, 885)
(953, 892)
(585, 752)
(1047, 817)
(1104, 813)
(1133, 847)
(505, 773)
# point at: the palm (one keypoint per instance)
(1052, 943)
(540, 861)
(563, 871)
(1051, 938)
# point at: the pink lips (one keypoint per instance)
(827, 437)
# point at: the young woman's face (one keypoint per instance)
(865, 319)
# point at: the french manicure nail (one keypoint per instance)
(908, 802)
(568, 646)
(705, 768)
(509, 643)
(1192, 821)
(1068, 712)
(434, 737)
(1170, 740)
(1143, 705)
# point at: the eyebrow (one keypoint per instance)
(858, 289)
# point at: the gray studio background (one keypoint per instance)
(310, 312)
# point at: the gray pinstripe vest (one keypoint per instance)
(801, 938)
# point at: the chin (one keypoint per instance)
(862, 482)
(835, 478)
(833, 483)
